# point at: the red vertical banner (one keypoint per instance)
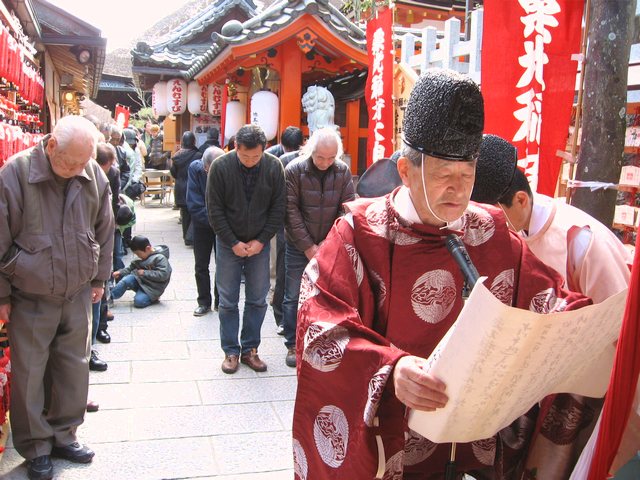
(529, 79)
(122, 116)
(380, 86)
(619, 402)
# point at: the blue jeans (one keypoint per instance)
(295, 262)
(130, 282)
(118, 264)
(229, 269)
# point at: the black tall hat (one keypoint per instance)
(496, 167)
(444, 116)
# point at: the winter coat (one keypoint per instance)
(314, 200)
(180, 169)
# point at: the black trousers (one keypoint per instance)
(185, 218)
(204, 242)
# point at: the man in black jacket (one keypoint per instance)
(245, 204)
(212, 140)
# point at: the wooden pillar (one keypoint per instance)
(353, 131)
(290, 85)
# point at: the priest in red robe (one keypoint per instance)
(383, 290)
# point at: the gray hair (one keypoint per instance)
(413, 155)
(115, 129)
(210, 154)
(74, 128)
(323, 135)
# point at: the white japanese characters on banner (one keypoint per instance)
(379, 87)
(538, 19)
(529, 78)
(377, 90)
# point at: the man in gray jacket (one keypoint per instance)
(56, 243)
(245, 204)
(318, 183)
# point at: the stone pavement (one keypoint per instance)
(166, 409)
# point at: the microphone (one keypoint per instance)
(461, 256)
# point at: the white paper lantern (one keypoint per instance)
(159, 99)
(177, 96)
(214, 95)
(197, 98)
(234, 118)
(264, 112)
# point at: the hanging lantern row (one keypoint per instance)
(18, 74)
(13, 140)
(175, 97)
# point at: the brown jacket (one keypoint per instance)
(314, 201)
(51, 243)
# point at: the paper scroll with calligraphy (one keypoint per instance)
(498, 361)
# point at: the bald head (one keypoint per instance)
(209, 155)
(71, 145)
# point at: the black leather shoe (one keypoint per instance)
(95, 364)
(201, 310)
(40, 468)
(103, 337)
(75, 453)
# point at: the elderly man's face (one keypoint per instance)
(249, 157)
(448, 187)
(115, 138)
(69, 161)
(325, 154)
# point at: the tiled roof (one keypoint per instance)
(275, 17)
(206, 18)
(181, 56)
(175, 51)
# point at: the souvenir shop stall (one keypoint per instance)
(21, 92)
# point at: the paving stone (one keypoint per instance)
(284, 410)
(142, 351)
(119, 333)
(243, 390)
(254, 452)
(148, 395)
(118, 372)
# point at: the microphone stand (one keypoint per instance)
(461, 256)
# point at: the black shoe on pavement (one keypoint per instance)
(279, 329)
(40, 468)
(95, 364)
(75, 453)
(103, 337)
(290, 359)
(92, 406)
(201, 310)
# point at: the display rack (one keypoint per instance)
(21, 91)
